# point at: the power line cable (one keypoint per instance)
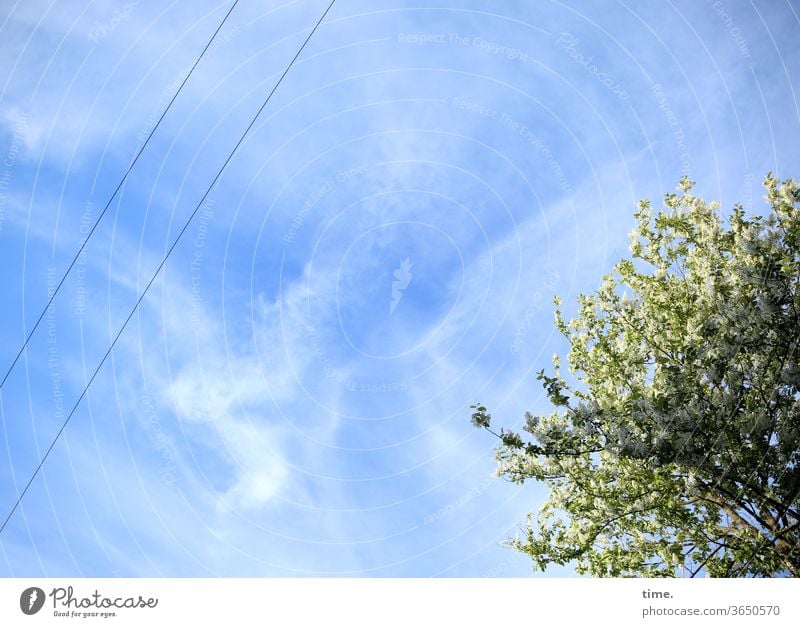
(161, 265)
(110, 200)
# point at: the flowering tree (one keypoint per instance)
(676, 452)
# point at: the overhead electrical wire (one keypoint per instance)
(161, 265)
(110, 200)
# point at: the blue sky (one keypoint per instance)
(292, 398)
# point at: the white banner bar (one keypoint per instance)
(406, 602)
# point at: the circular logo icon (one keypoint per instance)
(31, 600)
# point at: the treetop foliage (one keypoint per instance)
(678, 451)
